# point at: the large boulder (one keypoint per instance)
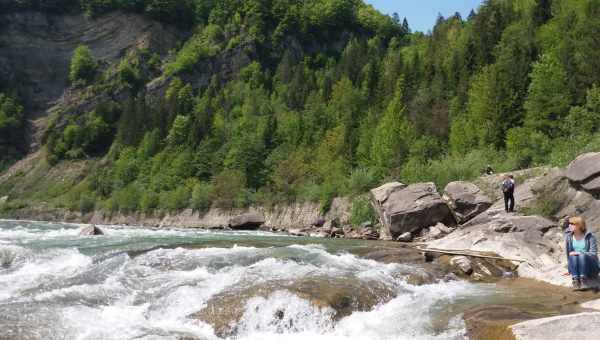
(403, 209)
(573, 326)
(90, 230)
(466, 200)
(248, 221)
(584, 171)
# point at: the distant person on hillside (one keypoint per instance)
(508, 188)
(489, 170)
(582, 252)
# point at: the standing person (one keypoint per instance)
(508, 188)
(582, 253)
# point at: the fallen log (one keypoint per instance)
(471, 253)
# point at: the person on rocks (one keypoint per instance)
(508, 188)
(582, 253)
(488, 170)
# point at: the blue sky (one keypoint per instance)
(421, 14)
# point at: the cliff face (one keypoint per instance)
(36, 49)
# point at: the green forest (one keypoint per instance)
(337, 99)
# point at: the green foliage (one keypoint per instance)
(284, 100)
(11, 129)
(201, 195)
(362, 211)
(149, 201)
(83, 66)
(362, 180)
(549, 99)
(393, 135)
(527, 146)
(229, 189)
(175, 200)
(455, 167)
(90, 137)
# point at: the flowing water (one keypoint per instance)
(146, 284)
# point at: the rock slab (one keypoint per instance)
(403, 209)
(567, 327)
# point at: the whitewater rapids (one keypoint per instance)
(146, 284)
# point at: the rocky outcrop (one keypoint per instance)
(299, 216)
(536, 241)
(466, 200)
(40, 45)
(90, 230)
(555, 190)
(584, 172)
(403, 209)
(564, 327)
(247, 221)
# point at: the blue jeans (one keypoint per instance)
(583, 266)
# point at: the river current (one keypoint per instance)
(137, 283)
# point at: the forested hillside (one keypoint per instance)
(268, 101)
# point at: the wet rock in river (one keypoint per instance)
(90, 230)
(406, 237)
(223, 312)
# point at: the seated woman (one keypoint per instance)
(582, 253)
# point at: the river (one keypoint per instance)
(137, 283)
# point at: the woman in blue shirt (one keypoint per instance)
(582, 253)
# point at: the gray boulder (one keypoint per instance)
(584, 171)
(403, 209)
(90, 230)
(574, 326)
(466, 200)
(248, 221)
(584, 167)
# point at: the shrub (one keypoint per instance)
(362, 211)
(87, 203)
(149, 201)
(527, 146)
(201, 196)
(127, 199)
(83, 66)
(362, 180)
(175, 200)
(455, 167)
(228, 186)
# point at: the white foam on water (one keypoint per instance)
(283, 312)
(152, 295)
(52, 266)
(408, 316)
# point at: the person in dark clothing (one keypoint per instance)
(489, 170)
(508, 188)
